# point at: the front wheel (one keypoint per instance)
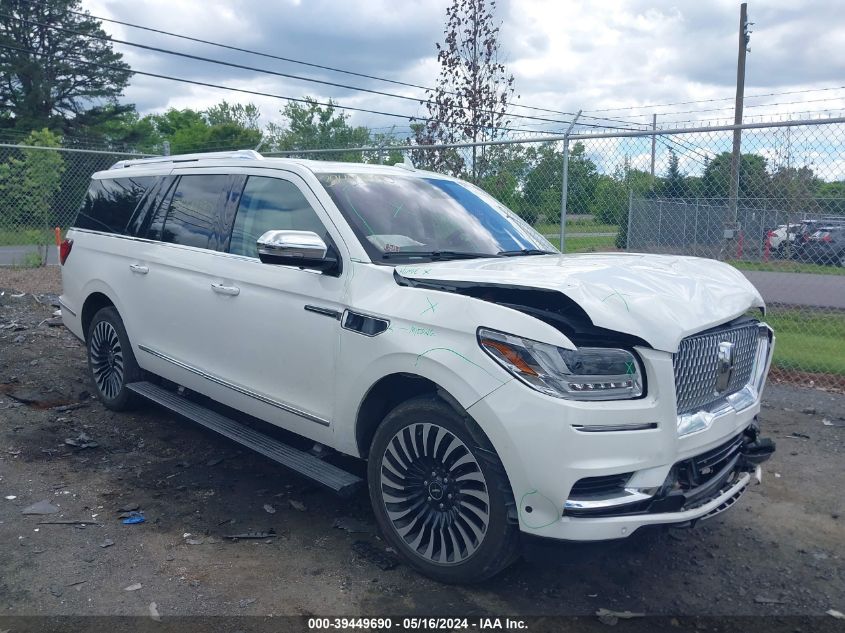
(440, 493)
(111, 360)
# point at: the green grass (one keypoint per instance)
(576, 226)
(20, 237)
(808, 342)
(587, 244)
(785, 266)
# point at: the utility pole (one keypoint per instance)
(653, 141)
(744, 39)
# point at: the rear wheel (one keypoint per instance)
(111, 360)
(440, 493)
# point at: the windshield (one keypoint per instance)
(410, 218)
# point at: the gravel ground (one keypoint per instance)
(779, 552)
(46, 279)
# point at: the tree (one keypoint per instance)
(49, 79)
(753, 177)
(794, 189)
(28, 185)
(314, 126)
(674, 185)
(221, 127)
(473, 91)
(543, 182)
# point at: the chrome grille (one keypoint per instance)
(697, 360)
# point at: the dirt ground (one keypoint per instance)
(778, 552)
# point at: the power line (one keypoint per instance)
(421, 87)
(266, 94)
(291, 60)
(306, 79)
(714, 100)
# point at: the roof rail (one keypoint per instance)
(246, 154)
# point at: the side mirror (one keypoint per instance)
(305, 249)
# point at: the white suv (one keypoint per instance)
(498, 389)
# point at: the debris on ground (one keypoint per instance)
(69, 407)
(800, 436)
(11, 497)
(353, 526)
(42, 507)
(252, 535)
(606, 616)
(134, 518)
(768, 600)
(840, 423)
(269, 509)
(243, 604)
(154, 614)
(107, 543)
(81, 441)
(129, 507)
(214, 462)
(297, 505)
(56, 591)
(134, 587)
(835, 614)
(379, 557)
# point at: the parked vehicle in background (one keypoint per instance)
(501, 392)
(826, 246)
(789, 240)
(783, 237)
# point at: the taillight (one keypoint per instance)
(64, 250)
(826, 237)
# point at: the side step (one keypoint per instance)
(339, 481)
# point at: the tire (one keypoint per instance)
(111, 362)
(457, 526)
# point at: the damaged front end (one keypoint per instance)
(690, 484)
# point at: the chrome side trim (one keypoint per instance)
(384, 324)
(334, 314)
(230, 385)
(604, 428)
(64, 306)
(632, 495)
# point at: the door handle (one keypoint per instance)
(221, 289)
(139, 268)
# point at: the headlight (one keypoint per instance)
(587, 373)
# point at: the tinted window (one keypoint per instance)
(270, 204)
(194, 210)
(110, 203)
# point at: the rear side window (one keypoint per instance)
(195, 207)
(269, 204)
(110, 203)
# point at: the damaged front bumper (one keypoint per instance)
(721, 473)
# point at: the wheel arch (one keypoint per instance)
(389, 392)
(94, 302)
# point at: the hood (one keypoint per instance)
(658, 298)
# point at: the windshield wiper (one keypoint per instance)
(526, 251)
(438, 255)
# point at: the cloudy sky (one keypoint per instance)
(564, 54)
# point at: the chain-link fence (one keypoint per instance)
(41, 188)
(657, 191)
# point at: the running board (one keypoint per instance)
(339, 481)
